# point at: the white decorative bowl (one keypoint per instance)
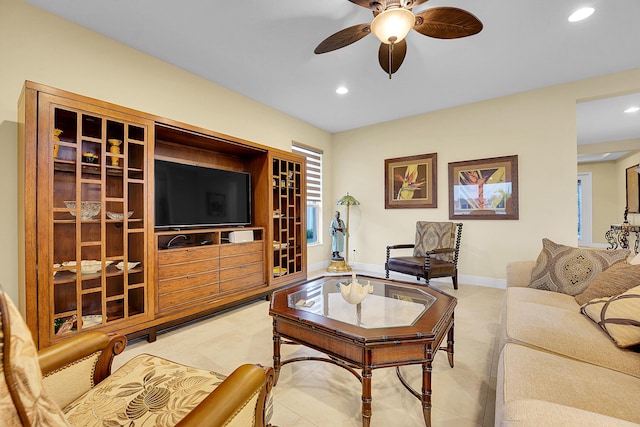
(86, 266)
(87, 209)
(118, 216)
(130, 265)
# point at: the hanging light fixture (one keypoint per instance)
(393, 25)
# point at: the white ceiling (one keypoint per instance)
(264, 50)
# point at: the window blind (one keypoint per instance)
(314, 171)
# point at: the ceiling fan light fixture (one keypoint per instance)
(393, 25)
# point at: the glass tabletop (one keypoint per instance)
(366, 303)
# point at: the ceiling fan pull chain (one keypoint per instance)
(390, 58)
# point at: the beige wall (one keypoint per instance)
(623, 164)
(608, 194)
(538, 126)
(606, 208)
(36, 45)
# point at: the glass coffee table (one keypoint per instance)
(395, 324)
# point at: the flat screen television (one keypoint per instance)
(196, 196)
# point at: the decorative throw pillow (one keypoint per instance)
(22, 372)
(618, 316)
(570, 270)
(635, 260)
(613, 281)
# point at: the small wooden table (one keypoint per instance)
(397, 324)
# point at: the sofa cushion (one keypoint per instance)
(618, 316)
(525, 373)
(540, 413)
(553, 299)
(556, 325)
(569, 270)
(613, 281)
(147, 390)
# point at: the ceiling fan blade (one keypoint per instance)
(397, 56)
(343, 38)
(447, 23)
(369, 4)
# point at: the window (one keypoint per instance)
(584, 209)
(314, 191)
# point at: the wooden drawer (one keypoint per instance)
(245, 281)
(238, 260)
(236, 272)
(240, 248)
(186, 269)
(174, 256)
(177, 300)
(187, 282)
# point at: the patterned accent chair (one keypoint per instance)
(78, 389)
(435, 252)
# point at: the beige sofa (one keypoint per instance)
(556, 366)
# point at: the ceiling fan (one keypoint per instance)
(392, 21)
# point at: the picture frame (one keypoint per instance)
(632, 189)
(484, 189)
(411, 182)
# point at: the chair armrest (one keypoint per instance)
(239, 401)
(65, 353)
(72, 367)
(403, 246)
(440, 251)
(519, 273)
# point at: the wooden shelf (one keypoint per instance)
(288, 209)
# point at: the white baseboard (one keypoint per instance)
(319, 269)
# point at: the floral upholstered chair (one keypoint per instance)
(78, 389)
(435, 252)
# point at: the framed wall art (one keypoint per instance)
(411, 182)
(484, 188)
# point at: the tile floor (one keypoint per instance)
(311, 394)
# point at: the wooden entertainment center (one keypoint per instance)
(91, 256)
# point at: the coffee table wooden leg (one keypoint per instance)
(366, 397)
(426, 392)
(450, 346)
(276, 356)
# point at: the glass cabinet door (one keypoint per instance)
(288, 233)
(94, 195)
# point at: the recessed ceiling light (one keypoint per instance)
(342, 90)
(632, 109)
(581, 14)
